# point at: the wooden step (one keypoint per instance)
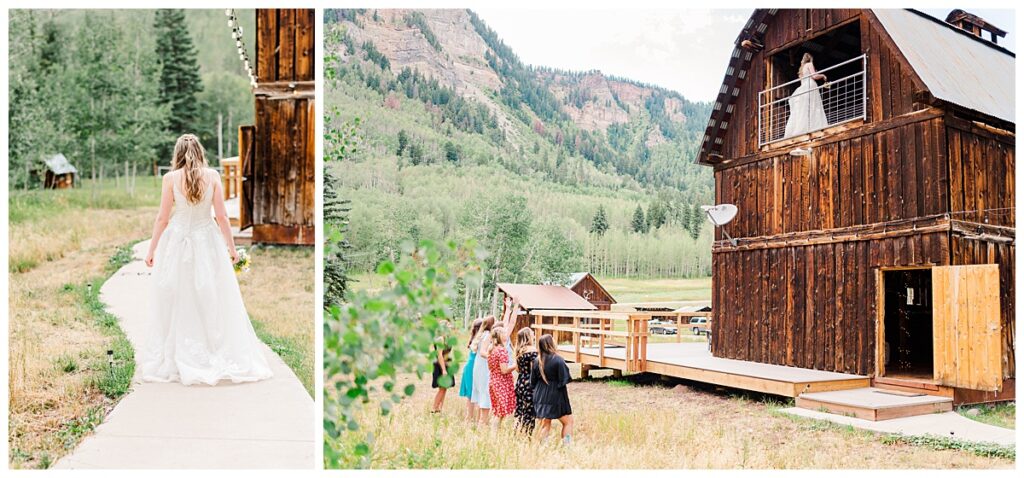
(912, 385)
(242, 238)
(871, 403)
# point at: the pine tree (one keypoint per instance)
(696, 221)
(336, 212)
(656, 215)
(451, 152)
(599, 225)
(403, 142)
(639, 224)
(179, 77)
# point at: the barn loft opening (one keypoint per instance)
(837, 55)
(908, 323)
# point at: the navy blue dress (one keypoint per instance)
(551, 398)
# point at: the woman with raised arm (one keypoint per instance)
(806, 111)
(200, 331)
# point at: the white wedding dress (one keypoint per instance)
(200, 330)
(806, 111)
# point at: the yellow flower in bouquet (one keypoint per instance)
(243, 261)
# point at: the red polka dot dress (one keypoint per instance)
(503, 390)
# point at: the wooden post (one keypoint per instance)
(584, 371)
(616, 373)
(576, 337)
(220, 137)
(600, 350)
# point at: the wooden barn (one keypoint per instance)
(58, 172)
(278, 153)
(880, 243)
(586, 285)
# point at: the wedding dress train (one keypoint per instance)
(200, 330)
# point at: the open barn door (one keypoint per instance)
(967, 330)
(246, 158)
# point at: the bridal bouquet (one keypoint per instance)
(243, 261)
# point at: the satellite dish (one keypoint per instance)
(721, 215)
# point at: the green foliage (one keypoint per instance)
(403, 142)
(89, 84)
(336, 211)
(114, 378)
(371, 340)
(72, 432)
(599, 225)
(639, 223)
(180, 82)
(988, 450)
(451, 152)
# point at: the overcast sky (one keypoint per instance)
(683, 50)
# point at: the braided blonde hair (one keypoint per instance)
(190, 157)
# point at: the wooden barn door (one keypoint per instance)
(967, 330)
(246, 154)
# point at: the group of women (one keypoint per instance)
(538, 390)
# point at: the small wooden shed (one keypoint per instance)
(881, 243)
(277, 154)
(585, 285)
(542, 297)
(59, 173)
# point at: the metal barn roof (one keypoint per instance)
(58, 164)
(532, 296)
(955, 67)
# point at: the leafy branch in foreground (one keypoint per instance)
(374, 338)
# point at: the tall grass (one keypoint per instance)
(640, 423)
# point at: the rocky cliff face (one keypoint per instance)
(445, 45)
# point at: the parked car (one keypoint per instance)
(658, 327)
(700, 325)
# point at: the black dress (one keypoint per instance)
(525, 415)
(436, 375)
(551, 399)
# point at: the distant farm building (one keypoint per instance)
(585, 285)
(278, 164)
(59, 173)
(880, 243)
(542, 297)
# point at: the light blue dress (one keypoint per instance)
(466, 387)
(481, 394)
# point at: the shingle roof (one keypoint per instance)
(532, 296)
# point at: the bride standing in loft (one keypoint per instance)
(806, 111)
(200, 331)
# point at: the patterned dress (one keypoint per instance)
(526, 418)
(503, 394)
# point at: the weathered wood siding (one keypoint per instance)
(810, 306)
(891, 174)
(283, 169)
(981, 165)
(589, 289)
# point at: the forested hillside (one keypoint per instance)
(110, 87)
(437, 130)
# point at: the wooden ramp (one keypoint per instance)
(693, 361)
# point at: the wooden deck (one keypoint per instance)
(619, 341)
(692, 361)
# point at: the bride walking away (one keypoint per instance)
(806, 111)
(200, 331)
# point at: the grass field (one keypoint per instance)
(61, 241)
(657, 290)
(642, 423)
(998, 414)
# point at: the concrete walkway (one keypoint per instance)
(262, 425)
(947, 424)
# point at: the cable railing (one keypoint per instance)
(784, 111)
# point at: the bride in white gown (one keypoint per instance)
(806, 112)
(200, 331)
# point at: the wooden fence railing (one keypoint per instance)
(597, 331)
